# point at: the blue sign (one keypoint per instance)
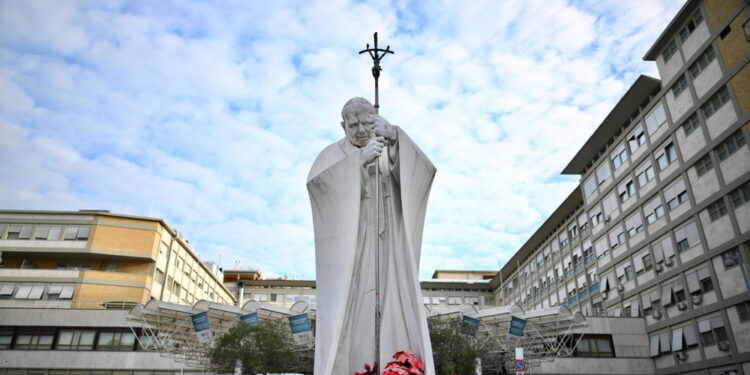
(516, 326)
(201, 326)
(301, 331)
(251, 319)
(470, 325)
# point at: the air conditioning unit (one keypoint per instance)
(681, 356)
(659, 267)
(697, 299)
(668, 262)
(621, 288)
(656, 314)
(723, 346)
(682, 306)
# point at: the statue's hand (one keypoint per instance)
(372, 150)
(383, 128)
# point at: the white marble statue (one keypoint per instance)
(343, 196)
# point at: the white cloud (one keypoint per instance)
(210, 114)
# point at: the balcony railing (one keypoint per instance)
(67, 304)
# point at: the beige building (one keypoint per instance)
(660, 226)
(90, 259)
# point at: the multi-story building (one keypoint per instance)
(660, 226)
(89, 258)
(68, 280)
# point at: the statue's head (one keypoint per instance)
(356, 121)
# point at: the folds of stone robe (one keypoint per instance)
(344, 200)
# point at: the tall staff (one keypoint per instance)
(377, 54)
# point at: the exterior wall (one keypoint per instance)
(707, 79)
(120, 259)
(734, 47)
(719, 10)
(740, 83)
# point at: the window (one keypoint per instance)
(715, 102)
(636, 140)
(116, 340)
(653, 210)
(6, 290)
(717, 209)
(669, 50)
(603, 173)
(688, 29)
(712, 331)
(75, 339)
(733, 143)
(60, 292)
(634, 224)
(625, 273)
(595, 216)
(48, 232)
(731, 258)
(666, 156)
(659, 344)
(700, 281)
(34, 338)
(676, 194)
(740, 195)
(30, 292)
(743, 311)
(645, 174)
(619, 157)
(599, 346)
(683, 338)
(702, 62)
(20, 231)
(656, 118)
(6, 337)
(589, 186)
(687, 236)
(160, 276)
(627, 191)
(690, 124)
(74, 265)
(680, 86)
(454, 300)
(109, 267)
(76, 233)
(723, 34)
(704, 165)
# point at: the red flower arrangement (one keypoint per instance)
(406, 363)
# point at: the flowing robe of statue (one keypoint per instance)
(343, 199)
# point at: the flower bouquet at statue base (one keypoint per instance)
(406, 363)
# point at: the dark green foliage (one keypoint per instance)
(454, 349)
(260, 349)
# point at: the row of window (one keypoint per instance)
(36, 291)
(36, 338)
(671, 48)
(44, 232)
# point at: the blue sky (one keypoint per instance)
(210, 113)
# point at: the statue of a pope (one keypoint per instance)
(345, 203)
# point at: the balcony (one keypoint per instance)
(37, 275)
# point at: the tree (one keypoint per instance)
(260, 349)
(454, 348)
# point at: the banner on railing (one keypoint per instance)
(251, 319)
(470, 325)
(301, 330)
(516, 326)
(202, 328)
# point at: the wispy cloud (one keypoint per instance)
(209, 114)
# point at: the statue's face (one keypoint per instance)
(358, 126)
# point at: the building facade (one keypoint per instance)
(659, 227)
(89, 259)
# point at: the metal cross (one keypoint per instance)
(377, 54)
